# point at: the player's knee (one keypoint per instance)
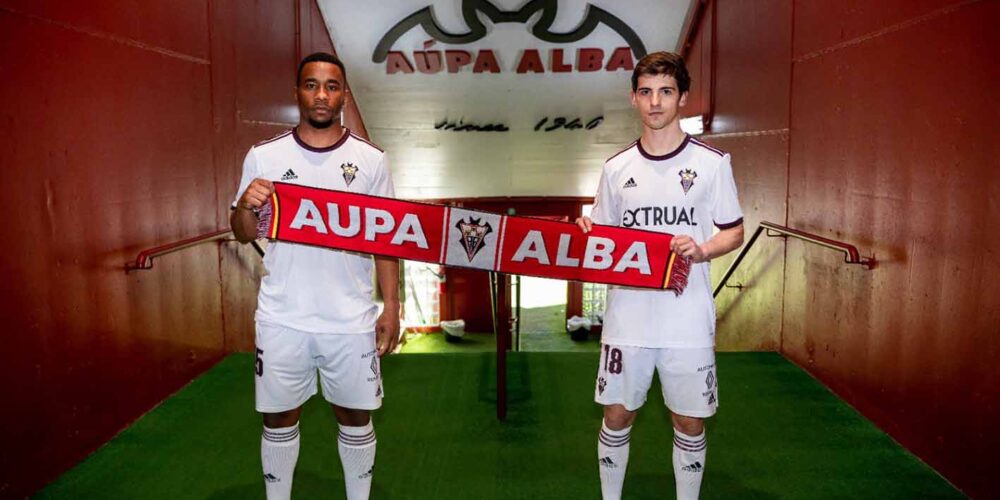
(692, 426)
(281, 419)
(351, 417)
(616, 417)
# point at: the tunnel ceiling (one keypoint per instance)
(540, 88)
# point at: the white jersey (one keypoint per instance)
(687, 192)
(308, 288)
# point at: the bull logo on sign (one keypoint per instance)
(474, 233)
(541, 29)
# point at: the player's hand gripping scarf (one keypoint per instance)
(470, 238)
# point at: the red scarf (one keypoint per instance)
(470, 238)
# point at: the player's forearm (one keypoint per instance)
(387, 273)
(244, 224)
(724, 242)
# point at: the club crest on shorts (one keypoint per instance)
(374, 366)
(349, 172)
(687, 178)
(710, 380)
(474, 233)
(601, 384)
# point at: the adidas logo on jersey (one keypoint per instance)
(607, 462)
(289, 175)
(630, 183)
(695, 467)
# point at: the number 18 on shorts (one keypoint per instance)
(687, 376)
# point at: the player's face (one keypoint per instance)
(320, 94)
(658, 101)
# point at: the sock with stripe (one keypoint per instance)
(279, 451)
(612, 460)
(689, 464)
(357, 455)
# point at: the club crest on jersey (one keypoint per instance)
(349, 171)
(474, 233)
(687, 178)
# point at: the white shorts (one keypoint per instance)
(687, 376)
(287, 361)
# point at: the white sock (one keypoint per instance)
(279, 451)
(689, 464)
(612, 460)
(357, 455)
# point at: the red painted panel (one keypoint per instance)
(315, 37)
(698, 63)
(129, 131)
(265, 38)
(175, 25)
(468, 298)
(893, 149)
(107, 144)
(819, 25)
(752, 67)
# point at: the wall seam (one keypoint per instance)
(788, 175)
(215, 178)
(748, 133)
(298, 33)
(110, 37)
(884, 31)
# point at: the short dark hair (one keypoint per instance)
(662, 63)
(320, 57)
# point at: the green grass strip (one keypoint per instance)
(778, 434)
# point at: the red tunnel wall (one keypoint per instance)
(872, 122)
(124, 125)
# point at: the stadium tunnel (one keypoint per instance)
(861, 125)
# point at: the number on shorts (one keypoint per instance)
(612, 359)
(259, 364)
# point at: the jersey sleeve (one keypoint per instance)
(726, 212)
(382, 184)
(606, 205)
(250, 172)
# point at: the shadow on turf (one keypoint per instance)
(518, 375)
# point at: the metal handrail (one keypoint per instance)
(851, 254)
(144, 260)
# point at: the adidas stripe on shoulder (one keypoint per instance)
(630, 146)
(366, 141)
(268, 141)
(706, 146)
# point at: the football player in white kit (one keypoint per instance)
(666, 181)
(315, 311)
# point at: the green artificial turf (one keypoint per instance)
(435, 343)
(543, 329)
(778, 434)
